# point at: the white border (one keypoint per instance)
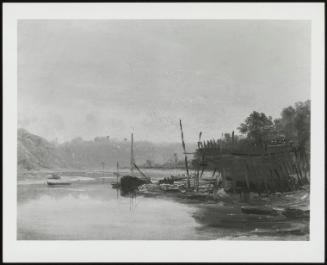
(152, 251)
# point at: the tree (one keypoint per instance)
(302, 123)
(258, 128)
(295, 124)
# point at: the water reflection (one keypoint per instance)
(96, 211)
(93, 210)
(131, 195)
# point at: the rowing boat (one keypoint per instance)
(53, 182)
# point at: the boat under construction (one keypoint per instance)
(242, 167)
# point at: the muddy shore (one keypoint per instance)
(279, 216)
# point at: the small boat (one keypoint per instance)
(53, 182)
(261, 210)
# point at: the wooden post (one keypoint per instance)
(264, 172)
(199, 141)
(307, 163)
(246, 175)
(132, 155)
(278, 173)
(298, 167)
(184, 149)
(198, 166)
(102, 163)
(197, 179)
(117, 172)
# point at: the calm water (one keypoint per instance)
(91, 209)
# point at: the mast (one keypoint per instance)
(184, 149)
(132, 154)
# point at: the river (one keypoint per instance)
(90, 209)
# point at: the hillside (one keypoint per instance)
(35, 152)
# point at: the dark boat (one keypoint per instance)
(130, 183)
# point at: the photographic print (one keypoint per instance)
(163, 132)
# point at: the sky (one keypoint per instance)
(88, 78)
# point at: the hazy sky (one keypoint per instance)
(103, 77)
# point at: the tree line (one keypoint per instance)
(260, 130)
(293, 126)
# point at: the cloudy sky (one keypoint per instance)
(103, 77)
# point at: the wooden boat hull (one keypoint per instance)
(130, 183)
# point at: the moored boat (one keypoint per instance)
(129, 183)
(53, 182)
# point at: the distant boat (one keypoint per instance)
(53, 182)
(55, 179)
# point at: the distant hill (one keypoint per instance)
(35, 152)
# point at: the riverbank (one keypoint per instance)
(278, 216)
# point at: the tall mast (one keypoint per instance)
(132, 154)
(184, 149)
